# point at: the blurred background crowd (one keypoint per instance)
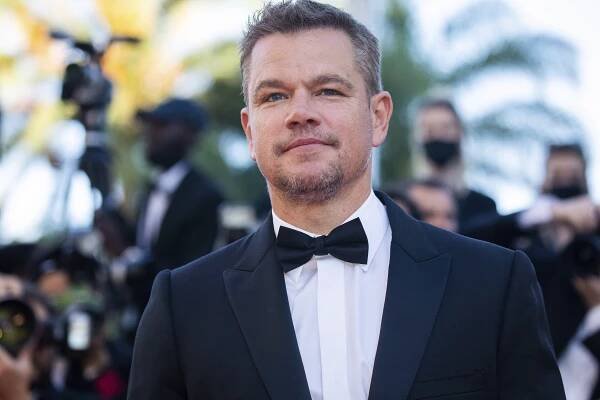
(121, 153)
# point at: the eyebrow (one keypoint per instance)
(317, 81)
(332, 78)
(268, 83)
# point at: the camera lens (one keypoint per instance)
(17, 325)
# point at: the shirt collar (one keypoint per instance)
(170, 179)
(373, 217)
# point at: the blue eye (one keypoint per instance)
(328, 92)
(273, 97)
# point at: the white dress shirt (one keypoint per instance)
(158, 201)
(337, 308)
(578, 367)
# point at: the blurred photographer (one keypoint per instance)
(560, 233)
(15, 370)
(26, 354)
(573, 291)
(439, 133)
(88, 367)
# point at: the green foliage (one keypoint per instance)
(539, 55)
(488, 12)
(527, 120)
(239, 185)
(224, 101)
(405, 78)
(128, 164)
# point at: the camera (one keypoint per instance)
(18, 325)
(583, 255)
(86, 85)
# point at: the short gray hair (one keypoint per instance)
(301, 15)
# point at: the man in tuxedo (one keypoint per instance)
(178, 215)
(339, 294)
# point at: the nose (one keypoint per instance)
(302, 112)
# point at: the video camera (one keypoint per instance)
(86, 85)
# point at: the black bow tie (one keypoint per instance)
(348, 242)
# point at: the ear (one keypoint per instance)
(381, 112)
(245, 118)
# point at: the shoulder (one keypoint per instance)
(472, 256)
(211, 266)
(452, 242)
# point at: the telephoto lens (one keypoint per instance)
(17, 325)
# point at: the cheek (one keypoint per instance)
(262, 148)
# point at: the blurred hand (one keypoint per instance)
(589, 289)
(15, 375)
(580, 213)
(10, 286)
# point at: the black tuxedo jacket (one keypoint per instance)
(463, 320)
(189, 226)
(188, 230)
(564, 307)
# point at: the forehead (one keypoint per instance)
(565, 160)
(302, 55)
(436, 116)
(432, 197)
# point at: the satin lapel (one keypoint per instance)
(416, 282)
(257, 294)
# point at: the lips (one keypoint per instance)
(303, 142)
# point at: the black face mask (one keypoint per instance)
(567, 191)
(441, 152)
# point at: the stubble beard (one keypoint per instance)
(310, 189)
(322, 186)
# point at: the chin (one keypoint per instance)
(310, 186)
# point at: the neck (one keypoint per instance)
(322, 217)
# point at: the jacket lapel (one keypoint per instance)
(416, 282)
(257, 294)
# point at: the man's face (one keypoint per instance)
(436, 206)
(166, 143)
(310, 123)
(438, 123)
(565, 169)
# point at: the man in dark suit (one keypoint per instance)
(439, 131)
(178, 215)
(339, 294)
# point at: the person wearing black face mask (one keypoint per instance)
(565, 172)
(567, 192)
(178, 217)
(544, 231)
(439, 132)
(441, 153)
